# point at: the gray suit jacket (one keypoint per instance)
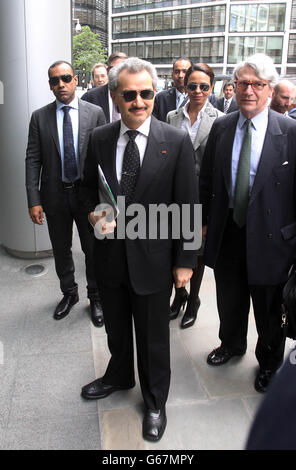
(43, 160)
(210, 114)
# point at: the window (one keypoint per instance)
(292, 48)
(167, 20)
(239, 47)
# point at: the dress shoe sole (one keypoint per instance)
(63, 315)
(150, 438)
(104, 395)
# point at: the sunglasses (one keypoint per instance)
(194, 86)
(56, 80)
(131, 95)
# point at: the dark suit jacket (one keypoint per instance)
(167, 176)
(43, 153)
(271, 218)
(99, 96)
(165, 101)
(220, 105)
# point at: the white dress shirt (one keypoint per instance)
(113, 113)
(186, 124)
(258, 129)
(74, 114)
(141, 141)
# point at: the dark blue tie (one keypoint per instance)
(70, 164)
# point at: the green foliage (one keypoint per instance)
(87, 50)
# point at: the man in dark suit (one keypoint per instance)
(101, 95)
(227, 104)
(247, 188)
(57, 147)
(147, 161)
(173, 98)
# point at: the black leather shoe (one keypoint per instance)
(96, 313)
(97, 389)
(263, 380)
(65, 305)
(221, 355)
(190, 313)
(154, 424)
(181, 297)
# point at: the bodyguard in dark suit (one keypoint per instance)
(147, 161)
(227, 104)
(173, 98)
(100, 96)
(56, 151)
(247, 188)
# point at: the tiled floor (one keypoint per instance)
(46, 363)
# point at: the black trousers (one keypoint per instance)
(150, 315)
(233, 300)
(60, 227)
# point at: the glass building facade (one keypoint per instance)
(93, 13)
(220, 33)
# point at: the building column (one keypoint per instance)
(33, 35)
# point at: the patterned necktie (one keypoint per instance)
(242, 185)
(70, 164)
(130, 167)
(226, 106)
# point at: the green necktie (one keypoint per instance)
(241, 193)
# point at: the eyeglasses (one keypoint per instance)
(56, 80)
(131, 95)
(194, 86)
(257, 86)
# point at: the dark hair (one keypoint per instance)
(200, 67)
(181, 58)
(230, 83)
(60, 62)
(116, 55)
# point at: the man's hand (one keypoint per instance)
(100, 223)
(182, 276)
(37, 215)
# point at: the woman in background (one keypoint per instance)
(197, 118)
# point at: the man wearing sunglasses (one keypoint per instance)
(56, 151)
(248, 192)
(146, 161)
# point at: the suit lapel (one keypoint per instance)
(272, 148)
(203, 129)
(83, 121)
(226, 144)
(52, 122)
(108, 160)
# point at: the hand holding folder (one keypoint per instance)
(103, 218)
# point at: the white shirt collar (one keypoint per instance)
(200, 114)
(143, 129)
(258, 121)
(73, 104)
